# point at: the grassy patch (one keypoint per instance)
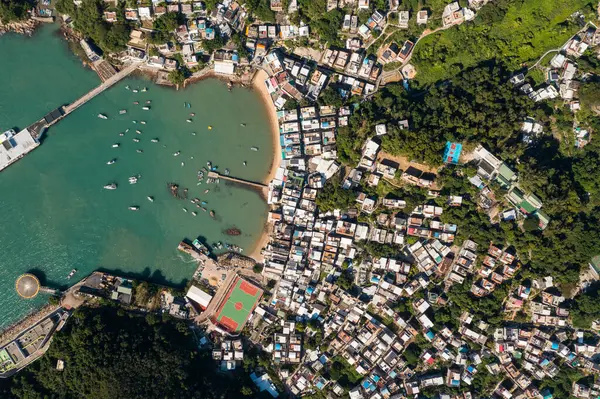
(517, 35)
(537, 76)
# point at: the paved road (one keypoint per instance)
(554, 50)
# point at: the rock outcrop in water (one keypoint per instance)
(26, 27)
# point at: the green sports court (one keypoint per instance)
(237, 305)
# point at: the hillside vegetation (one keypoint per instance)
(112, 354)
(514, 32)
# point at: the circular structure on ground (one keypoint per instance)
(238, 306)
(409, 71)
(27, 286)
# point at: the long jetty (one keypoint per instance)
(99, 89)
(23, 140)
(216, 175)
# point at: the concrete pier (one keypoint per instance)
(18, 148)
(216, 175)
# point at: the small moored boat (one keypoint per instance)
(254, 148)
(176, 153)
(133, 180)
(150, 198)
(139, 151)
(154, 140)
(143, 122)
(116, 145)
(111, 186)
(123, 111)
(112, 161)
(184, 209)
(102, 116)
(188, 120)
(134, 208)
(136, 140)
(71, 274)
(146, 108)
(194, 213)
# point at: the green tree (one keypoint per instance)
(333, 196)
(109, 355)
(178, 76)
(586, 307)
(14, 10)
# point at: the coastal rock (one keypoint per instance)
(26, 27)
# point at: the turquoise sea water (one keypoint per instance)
(56, 214)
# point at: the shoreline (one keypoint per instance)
(258, 85)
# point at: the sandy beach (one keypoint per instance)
(259, 85)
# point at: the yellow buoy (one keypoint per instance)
(209, 127)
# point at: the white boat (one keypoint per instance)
(151, 199)
(194, 213)
(111, 186)
(176, 153)
(139, 151)
(188, 120)
(138, 131)
(71, 274)
(133, 180)
(134, 208)
(154, 140)
(143, 122)
(144, 89)
(146, 108)
(102, 116)
(254, 148)
(148, 102)
(123, 111)
(185, 210)
(121, 134)
(112, 161)
(136, 140)
(245, 163)
(135, 90)
(182, 164)
(126, 130)
(134, 121)
(116, 145)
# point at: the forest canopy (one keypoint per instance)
(112, 354)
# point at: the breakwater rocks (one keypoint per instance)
(236, 260)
